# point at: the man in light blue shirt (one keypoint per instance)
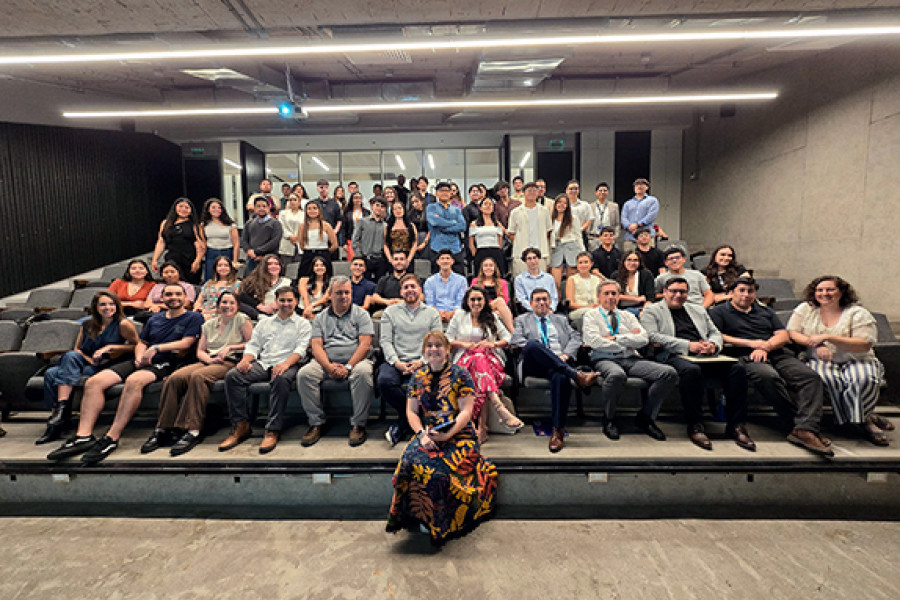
(445, 289)
(534, 278)
(445, 222)
(640, 211)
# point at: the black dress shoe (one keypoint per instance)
(158, 439)
(185, 444)
(611, 430)
(646, 424)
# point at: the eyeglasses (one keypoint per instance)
(674, 257)
(677, 291)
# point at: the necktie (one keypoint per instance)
(613, 322)
(545, 332)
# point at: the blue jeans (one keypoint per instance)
(70, 370)
(211, 255)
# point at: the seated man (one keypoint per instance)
(532, 279)
(363, 288)
(684, 330)
(606, 257)
(445, 289)
(273, 354)
(549, 345)
(403, 327)
(758, 339)
(387, 290)
(698, 287)
(652, 257)
(163, 338)
(341, 338)
(615, 337)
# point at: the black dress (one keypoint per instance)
(180, 249)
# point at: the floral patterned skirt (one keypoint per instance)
(487, 374)
(449, 491)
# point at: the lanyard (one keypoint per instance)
(608, 324)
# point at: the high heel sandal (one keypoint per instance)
(506, 417)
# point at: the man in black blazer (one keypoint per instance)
(548, 345)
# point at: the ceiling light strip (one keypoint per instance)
(172, 112)
(458, 43)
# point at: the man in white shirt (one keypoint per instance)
(529, 225)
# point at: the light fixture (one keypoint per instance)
(400, 162)
(457, 43)
(525, 103)
(231, 163)
(319, 162)
(524, 160)
(431, 161)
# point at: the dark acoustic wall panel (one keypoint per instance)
(254, 161)
(632, 160)
(74, 199)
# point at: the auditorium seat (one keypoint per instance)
(340, 267)
(11, 335)
(82, 298)
(292, 271)
(17, 367)
(775, 287)
(68, 314)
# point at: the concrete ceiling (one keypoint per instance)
(38, 93)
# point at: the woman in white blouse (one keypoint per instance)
(291, 220)
(839, 334)
(486, 237)
(477, 339)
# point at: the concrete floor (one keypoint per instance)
(156, 558)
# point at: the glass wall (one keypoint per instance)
(482, 166)
(362, 167)
(320, 165)
(447, 165)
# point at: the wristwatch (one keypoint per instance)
(348, 366)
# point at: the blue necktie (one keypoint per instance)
(545, 332)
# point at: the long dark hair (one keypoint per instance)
(232, 273)
(479, 222)
(304, 229)
(732, 271)
(566, 216)
(486, 319)
(95, 325)
(326, 279)
(172, 216)
(348, 210)
(206, 218)
(304, 195)
(127, 275)
(622, 273)
(391, 219)
(172, 264)
(257, 283)
(848, 294)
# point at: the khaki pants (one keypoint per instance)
(310, 378)
(195, 382)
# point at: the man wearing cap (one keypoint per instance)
(331, 209)
(445, 222)
(640, 211)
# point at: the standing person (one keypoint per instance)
(340, 196)
(445, 289)
(504, 204)
(314, 296)
(529, 225)
(455, 197)
(265, 192)
(472, 210)
(104, 340)
(684, 330)
(640, 211)
(581, 209)
(418, 218)
(457, 494)
(257, 291)
(722, 271)
(422, 192)
(224, 279)
(181, 236)
(222, 339)
(221, 235)
(542, 191)
(549, 346)
(615, 337)
(134, 287)
(636, 284)
(402, 326)
(445, 222)
(368, 239)
(477, 340)
(273, 354)
(316, 238)
(606, 214)
(606, 256)
(581, 289)
(400, 233)
(164, 340)
(291, 219)
(565, 240)
(651, 256)
(486, 237)
(838, 334)
(261, 235)
(285, 193)
(354, 212)
(402, 192)
(330, 210)
(517, 183)
(698, 291)
(496, 290)
(757, 337)
(341, 339)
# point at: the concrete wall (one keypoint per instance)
(807, 185)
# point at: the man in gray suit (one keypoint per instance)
(548, 345)
(685, 332)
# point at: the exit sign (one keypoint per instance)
(557, 145)
(198, 151)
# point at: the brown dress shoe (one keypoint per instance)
(240, 432)
(810, 441)
(357, 436)
(269, 442)
(312, 435)
(585, 379)
(740, 436)
(557, 439)
(699, 437)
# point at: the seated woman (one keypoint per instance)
(106, 339)
(224, 279)
(133, 287)
(721, 272)
(839, 334)
(171, 274)
(443, 486)
(257, 292)
(222, 341)
(636, 283)
(314, 293)
(486, 237)
(581, 289)
(477, 339)
(496, 290)
(316, 238)
(181, 237)
(400, 233)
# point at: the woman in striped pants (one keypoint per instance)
(839, 334)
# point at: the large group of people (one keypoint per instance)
(572, 291)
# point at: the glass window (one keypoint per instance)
(446, 165)
(401, 162)
(482, 166)
(320, 165)
(521, 154)
(282, 168)
(362, 167)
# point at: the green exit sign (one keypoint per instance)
(557, 145)
(198, 151)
